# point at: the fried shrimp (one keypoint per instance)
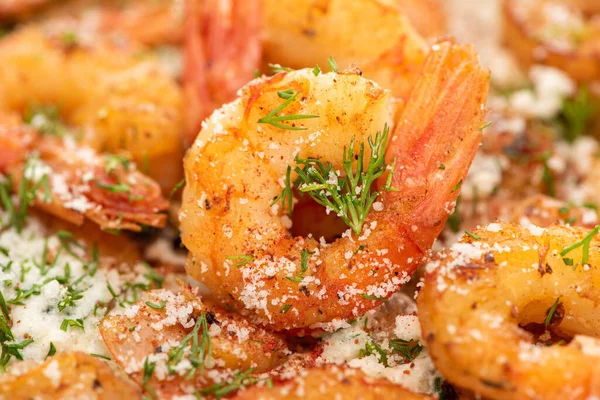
(73, 182)
(222, 52)
(67, 376)
(187, 344)
(114, 97)
(373, 34)
(238, 236)
(324, 382)
(563, 34)
(481, 295)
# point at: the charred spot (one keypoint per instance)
(158, 350)
(96, 384)
(345, 381)
(320, 311)
(489, 257)
(211, 319)
(304, 290)
(474, 306)
(207, 204)
(430, 337)
(309, 32)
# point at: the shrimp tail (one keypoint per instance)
(436, 139)
(222, 51)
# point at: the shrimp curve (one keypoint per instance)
(239, 241)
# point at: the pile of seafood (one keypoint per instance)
(260, 199)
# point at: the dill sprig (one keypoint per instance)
(372, 348)
(550, 313)
(200, 350)
(350, 196)
(577, 112)
(585, 242)
(242, 260)
(409, 349)
(273, 118)
(303, 267)
(239, 380)
(26, 194)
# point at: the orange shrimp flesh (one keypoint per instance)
(73, 182)
(246, 255)
(222, 51)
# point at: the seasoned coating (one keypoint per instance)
(497, 309)
(238, 238)
(68, 376)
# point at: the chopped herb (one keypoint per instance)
(286, 194)
(485, 126)
(156, 306)
(371, 347)
(114, 188)
(278, 68)
(148, 372)
(303, 267)
(199, 350)
(101, 356)
(285, 308)
(457, 186)
(153, 277)
(256, 74)
(12, 350)
(240, 380)
(332, 64)
(244, 259)
(177, 186)
(52, 350)
(316, 70)
(349, 197)
(409, 349)
(551, 313)
(577, 112)
(442, 167)
(548, 180)
(26, 194)
(274, 119)
(68, 323)
(585, 242)
(472, 235)
(285, 94)
(568, 261)
(113, 161)
(375, 298)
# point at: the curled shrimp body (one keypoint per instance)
(239, 241)
(75, 183)
(498, 309)
(114, 97)
(74, 375)
(152, 330)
